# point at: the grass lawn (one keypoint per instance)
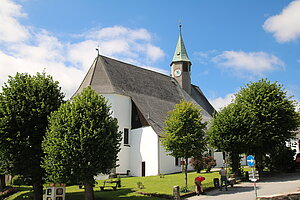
(152, 184)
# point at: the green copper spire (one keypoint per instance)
(180, 51)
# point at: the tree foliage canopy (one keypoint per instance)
(82, 140)
(184, 132)
(227, 130)
(270, 116)
(261, 116)
(25, 103)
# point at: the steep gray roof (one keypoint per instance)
(153, 93)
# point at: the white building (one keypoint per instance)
(294, 143)
(140, 100)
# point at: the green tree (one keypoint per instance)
(25, 103)
(82, 141)
(281, 159)
(2, 171)
(270, 117)
(227, 133)
(184, 133)
(260, 118)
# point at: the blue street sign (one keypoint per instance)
(250, 161)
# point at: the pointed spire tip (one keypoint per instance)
(180, 25)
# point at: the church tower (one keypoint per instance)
(181, 65)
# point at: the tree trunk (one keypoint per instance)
(37, 188)
(235, 163)
(259, 163)
(185, 172)
(2, 182)
(88, 191)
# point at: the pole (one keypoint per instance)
(254, 181)
(176, 193)
(255, 189)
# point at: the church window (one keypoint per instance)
(137, 119)
(185, 67)
(177, 161)
(126, 136)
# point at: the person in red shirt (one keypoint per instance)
(198, 183)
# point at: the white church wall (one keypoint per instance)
(293, 144)
(218, 156)
(121, 107)
(144, 148)
(167, 162)
(243, 160)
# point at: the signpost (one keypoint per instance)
(250, 161)
(253, 175)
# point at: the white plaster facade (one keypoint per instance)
(220, 162)
(144, 148)
(294, 144)
(121, 109)
(144, 144)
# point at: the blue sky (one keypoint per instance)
(229, 43)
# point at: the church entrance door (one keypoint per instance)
(143, 168)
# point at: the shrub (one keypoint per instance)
(207, 162)
(281, 159)
(140, 185)
(197, 164)
(7, 192)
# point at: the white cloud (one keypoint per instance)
(130, 45)
(10, 29)
(220, 102)
(203, 57)
(82, 54)
(34, 50)
(254, 62)
(285, 26)
(154, 53)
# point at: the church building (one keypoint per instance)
(140, 99)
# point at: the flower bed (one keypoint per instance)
(7, 192)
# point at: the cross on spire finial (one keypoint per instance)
(97, 49)
(180, 25)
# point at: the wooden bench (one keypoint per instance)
(113, 184)
(232, 180)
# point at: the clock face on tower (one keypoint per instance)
(177, 72)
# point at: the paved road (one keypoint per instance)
(283, 183)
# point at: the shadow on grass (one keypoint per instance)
(24, 192)
(21, 195)
(124, 194)
(23, 188)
